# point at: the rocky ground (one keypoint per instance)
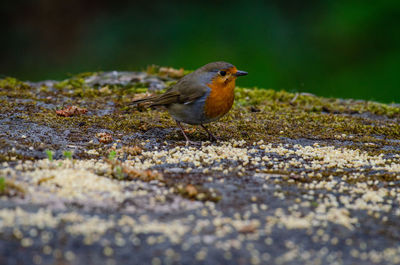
(295, 179)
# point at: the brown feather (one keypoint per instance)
(186, 90)
(142, 100)
(167, 98)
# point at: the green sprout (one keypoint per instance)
(2, 184)
(67, 154)
(49, 154)
(112, 155)
(118, 172)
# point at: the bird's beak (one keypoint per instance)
(240, 73)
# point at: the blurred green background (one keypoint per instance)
(341, 48)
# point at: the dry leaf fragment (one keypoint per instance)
(132, 150)
(141, 96)
(144, 175)
(71, 111)
(191, 190)
(104, 138)
(249, 228)
(171, 72)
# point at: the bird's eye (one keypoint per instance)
(222, 73)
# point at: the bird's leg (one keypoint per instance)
(211, 136)
(184, 134)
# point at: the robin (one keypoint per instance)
(200, 97)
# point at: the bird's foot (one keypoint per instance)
(213, 138)
(210, 135)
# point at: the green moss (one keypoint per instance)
(77, 87)
(241, 123)
(13, 156)
(279, 115)
(155, 70)
(10, 83)
(271, 100)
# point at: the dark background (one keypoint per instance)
(338, 48)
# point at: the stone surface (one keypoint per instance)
(295, 179)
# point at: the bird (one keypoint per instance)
(198, 98)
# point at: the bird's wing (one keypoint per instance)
(189, 90)
(182, 92)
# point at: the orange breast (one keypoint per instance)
(220, 99)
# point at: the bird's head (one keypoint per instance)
(221, 73)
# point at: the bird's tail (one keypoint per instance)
(148, 100)
(159, 100)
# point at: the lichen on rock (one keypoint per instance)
(294, 176)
